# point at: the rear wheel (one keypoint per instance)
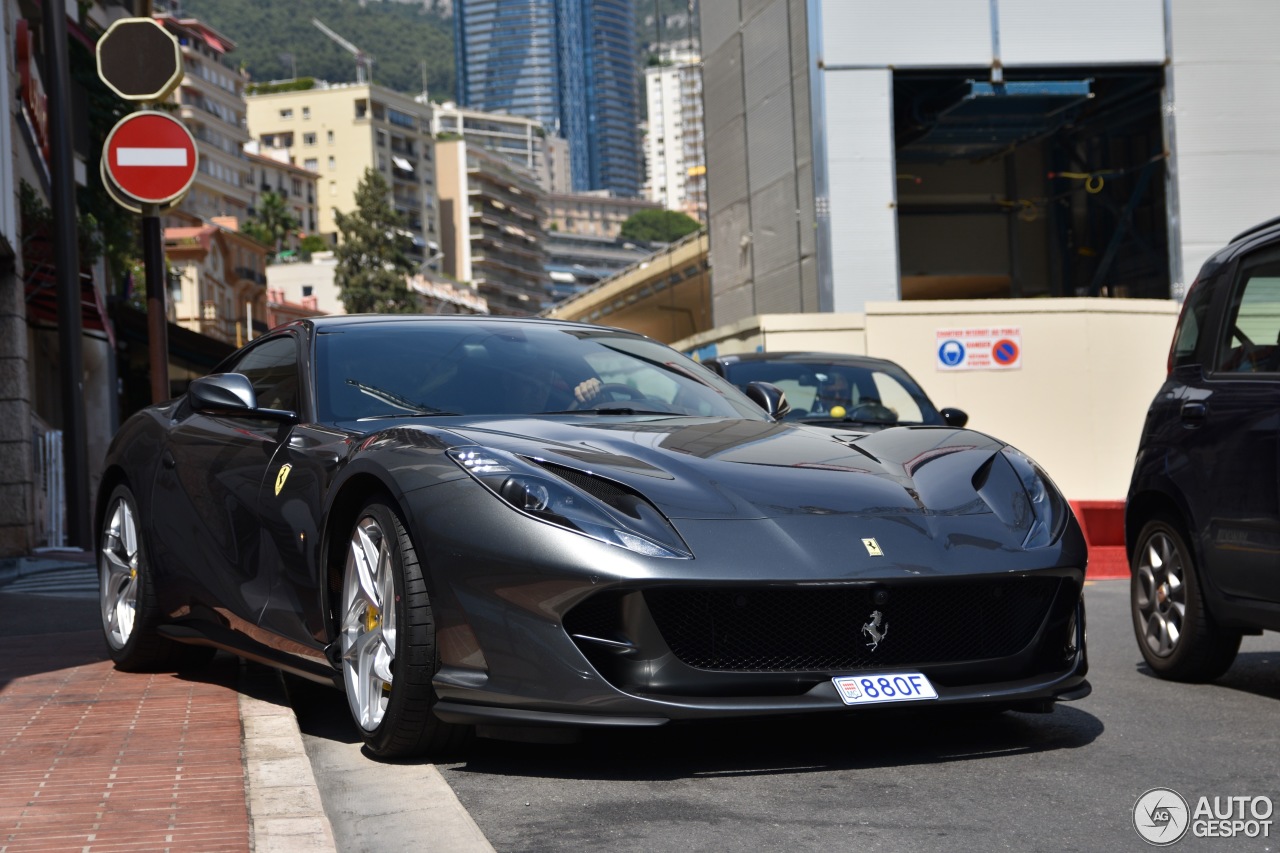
(1175, 631)
(387, 639)
(127, 596)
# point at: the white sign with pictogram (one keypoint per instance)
(986, 348)
(151, 156)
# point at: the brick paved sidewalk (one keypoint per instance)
(100, 760)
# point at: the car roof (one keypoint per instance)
(341, 321)
(797, 356)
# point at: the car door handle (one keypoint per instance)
(1193, 413)
(167, 460)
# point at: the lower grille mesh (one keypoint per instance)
(785, 629)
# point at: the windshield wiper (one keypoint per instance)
(610, 410)
(436, 414)
(393, 399)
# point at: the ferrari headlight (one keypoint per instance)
(1048, 509)
(534, 492)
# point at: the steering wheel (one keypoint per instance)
(874, 412)
(616, 391)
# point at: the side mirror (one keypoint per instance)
(769, 397)
(230, 394)
(954, 417)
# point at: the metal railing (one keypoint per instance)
(50, 485)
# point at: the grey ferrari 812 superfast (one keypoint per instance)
(508, 523)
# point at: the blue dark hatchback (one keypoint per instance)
(1202, 521)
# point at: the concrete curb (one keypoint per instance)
(285, 811)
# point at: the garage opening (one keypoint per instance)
(1051, 183)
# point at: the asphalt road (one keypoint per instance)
(899, 781)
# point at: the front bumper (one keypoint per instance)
(516, 649)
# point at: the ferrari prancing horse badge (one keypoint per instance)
(282, 476)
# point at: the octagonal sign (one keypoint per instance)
(139, 59)
(151, 157)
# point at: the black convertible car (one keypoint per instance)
(480, 521)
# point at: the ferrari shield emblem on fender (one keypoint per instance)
(873, 547)
(282, 476)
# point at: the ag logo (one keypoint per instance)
(282, 476)
(1161, 817)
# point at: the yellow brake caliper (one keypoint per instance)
(372, 619)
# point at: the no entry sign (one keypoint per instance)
(151, 156)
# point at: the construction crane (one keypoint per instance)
(364, 62)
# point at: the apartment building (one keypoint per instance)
(221, 286)
(593, 214)
(521, 141)
(338, 131)
(491, 222)
(675, 144)
(272, 172)
(211, 104)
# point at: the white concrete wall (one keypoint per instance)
(1090, 368)
(862, 187)
(951, 33)
(1226, 108)
(319, 273)
(844, 332)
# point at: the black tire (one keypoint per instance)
(408, 725)
(126, 588)
(1165, 584)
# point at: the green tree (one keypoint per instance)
(311, 244)
(373, 264)
(272, 221)
(658, 226)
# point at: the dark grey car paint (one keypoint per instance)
(757, 502)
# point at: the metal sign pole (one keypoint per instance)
(157, 315)
(67, 263)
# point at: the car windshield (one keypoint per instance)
(831, 391)
(466, 367)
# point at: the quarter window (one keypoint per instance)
(1194, 314)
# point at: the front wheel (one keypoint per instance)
(1177, 635)
(387, 639)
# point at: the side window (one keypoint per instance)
(1252, 340)
(272, 367)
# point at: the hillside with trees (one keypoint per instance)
(275, 37)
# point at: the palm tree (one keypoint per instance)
(274, 219)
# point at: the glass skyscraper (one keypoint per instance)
(570, 64)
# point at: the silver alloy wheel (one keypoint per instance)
(1162, 595)
(118, 574)
(368, 623)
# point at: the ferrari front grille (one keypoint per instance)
(825, 629)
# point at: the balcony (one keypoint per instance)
(249, 274)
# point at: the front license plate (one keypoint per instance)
(884, 687)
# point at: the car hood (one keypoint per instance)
(693, 468)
